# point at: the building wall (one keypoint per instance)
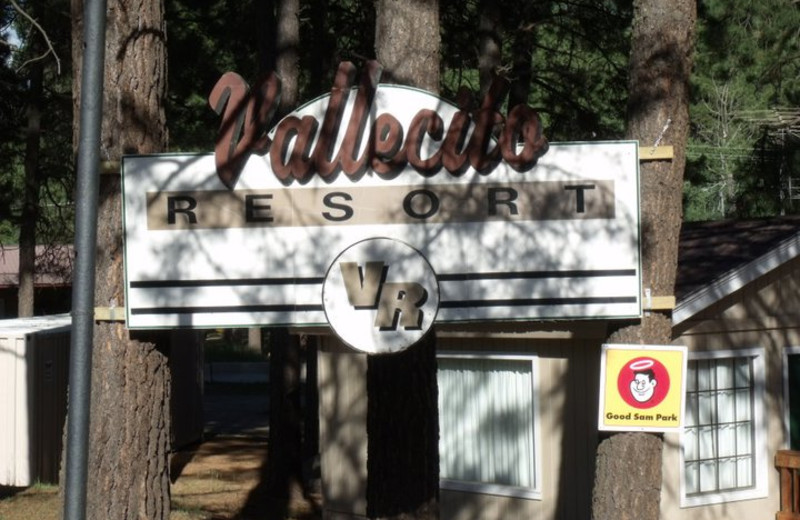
(763, 314)
(342, 379)
(568, 376)
(568, 382)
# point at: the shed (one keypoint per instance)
(34, 359)
(34, 368)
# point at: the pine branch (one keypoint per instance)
(50, 48)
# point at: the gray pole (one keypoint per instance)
(80, 362)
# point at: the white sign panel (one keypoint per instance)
(557, 241)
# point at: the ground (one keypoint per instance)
(220, 478)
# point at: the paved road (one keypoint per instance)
(232, 409)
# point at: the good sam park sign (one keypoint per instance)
(377, 209)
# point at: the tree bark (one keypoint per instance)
(403, 434)
(284, 462)
(287, 60)
(522, 44)
(129, 438)
(490, 44)
(407, 42)
(320, 61)
(402, 393)
(628, 471)
(30, 203)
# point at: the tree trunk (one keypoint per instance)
(320, 61)
(522, 44)
(402, 413)
(628, 472)
(407, 42)
(284, 462)
(287, 60)
(490, 44)
(403, 433)
(30, 203)
(130, 422)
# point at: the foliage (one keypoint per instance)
(574, 43)
(747, 68)
(231, 345)
(54, 171)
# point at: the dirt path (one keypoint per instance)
(221, 478)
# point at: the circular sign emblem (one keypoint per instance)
(380, 296)
(643, 382)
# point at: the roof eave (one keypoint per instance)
(730, 282)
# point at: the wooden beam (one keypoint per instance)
(109, 314)
(658, 303)
(656, 153)
(110, 168)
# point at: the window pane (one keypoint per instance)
(704, 377)
(690, 444)
(727, 473)
(726, 436)
(707, 444)
(744, 471)
(691, 377)
(708, 476)
(743, 404)
(743, 372)
(692, 412)
(724, 374)
(726, 406)
(692, 478)
(706, 404)
(744, 439)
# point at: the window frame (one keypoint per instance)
(787, 434)
(533, 493)
(760, 486)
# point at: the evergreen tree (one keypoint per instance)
(628, 465)
(129, 437)
(745, 110)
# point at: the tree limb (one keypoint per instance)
(50, 48)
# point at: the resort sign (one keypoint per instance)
(512, 228)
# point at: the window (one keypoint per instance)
(488, 410)
(723, 454)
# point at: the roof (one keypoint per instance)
(718, 258)
(21, 326)
(53, 266)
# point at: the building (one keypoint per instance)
(518, 403)
(52, 280)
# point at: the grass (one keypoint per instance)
(230, 346)
(39, 501)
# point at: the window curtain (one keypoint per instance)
(486, 421)
(719, 433)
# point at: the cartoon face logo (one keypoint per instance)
(643, 385)
(643, 382)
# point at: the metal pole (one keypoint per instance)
(87, 193)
